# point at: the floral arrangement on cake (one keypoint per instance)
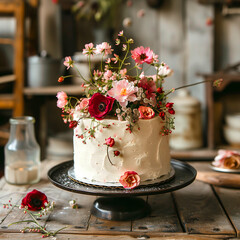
(120, 89)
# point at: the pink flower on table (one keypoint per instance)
(62, 99)
(68, 62)
(149, 86)
(164, 70)
(227, 159)
(89, 49)
(104, 48)
(130, 180)
(123, 91)
(146, 112)
(142, 55)
(110, 142)
(100, 106)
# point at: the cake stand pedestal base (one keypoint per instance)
(120, 208)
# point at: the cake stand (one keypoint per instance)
(117, 203)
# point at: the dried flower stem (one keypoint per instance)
(108, 156)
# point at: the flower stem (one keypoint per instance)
(108, 156)
(189, 85)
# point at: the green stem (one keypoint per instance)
(36, 222)
(125, 57)
(89, 65)
(28, 221)
(81, 76)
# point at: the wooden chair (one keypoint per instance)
(14, 101)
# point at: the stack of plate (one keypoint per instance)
(232, 129)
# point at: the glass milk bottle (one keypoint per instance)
(22, 152)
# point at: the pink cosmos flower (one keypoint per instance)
(149, 86)
(142, 55)
(62, 99)
(100, 106)
(123, 91)
(164, 70)
(130, 180)
(110, 142)
(89, 49)
(104, 48)
(68, 62)
(146, 112)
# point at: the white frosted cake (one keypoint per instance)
(144, 151)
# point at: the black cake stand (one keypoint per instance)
(118, 203)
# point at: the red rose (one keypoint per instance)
(110, 142)
(130, 180)
(99, 105)
(35, 200)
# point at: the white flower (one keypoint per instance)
(164, 70)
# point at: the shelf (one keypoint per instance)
(7, 41)
(52, 90)
(7, 78)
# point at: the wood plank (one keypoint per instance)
(230, 199)
(7, 78)
(37, 236)
(101, 225)
(76, 220)
(163, 217)
(200, 211)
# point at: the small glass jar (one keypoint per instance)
(22, 152)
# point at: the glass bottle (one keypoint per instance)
(22, 152)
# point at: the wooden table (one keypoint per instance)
(199, 211)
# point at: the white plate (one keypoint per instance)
(226, 170)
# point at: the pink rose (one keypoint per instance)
(146, 112)
(62, 99)
(130, 180)
(100, 106)
(110, 142)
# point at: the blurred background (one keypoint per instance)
(198, 39)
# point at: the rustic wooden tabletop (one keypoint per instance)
(198, 211)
